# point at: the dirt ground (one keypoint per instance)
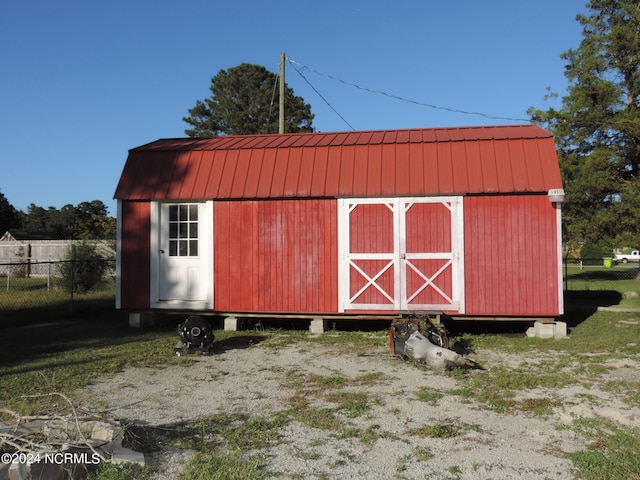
(392, 437)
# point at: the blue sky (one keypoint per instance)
(84, 81)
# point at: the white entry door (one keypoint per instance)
(183, 277)
(401, 254)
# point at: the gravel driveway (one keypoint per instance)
(392, 437)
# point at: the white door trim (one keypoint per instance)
(400, 259)
(205, 258)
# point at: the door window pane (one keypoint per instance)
(183, 230)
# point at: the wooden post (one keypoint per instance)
(281, 115)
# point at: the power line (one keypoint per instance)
(397, 97)
(299, 71)
(273, 97)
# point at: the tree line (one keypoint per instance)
(87, 220)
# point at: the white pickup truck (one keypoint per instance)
(628, 257)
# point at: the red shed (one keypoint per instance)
(463, 221)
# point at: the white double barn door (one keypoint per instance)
(401, 254)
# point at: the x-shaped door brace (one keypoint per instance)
(371, 281)
(429, 281)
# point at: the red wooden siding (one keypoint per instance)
(275, 256)
(511, 256)
(428, 228)
(135, 260)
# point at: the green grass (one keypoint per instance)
(34, 299)
(611, 452)
(597, 285)
(599, 332)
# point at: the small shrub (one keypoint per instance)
(84, 268)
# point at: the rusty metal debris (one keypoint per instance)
(423, 342)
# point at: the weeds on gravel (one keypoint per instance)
(539, 406)
(300, 409)
(550, 364)
(422, 454)
(628, 391)
(455, 471)
(612, 452)
(429, 395)
(221, 443)
(497, 388)
(446, 429)
(237, 432)
(584, 358)
(352, 404)
(110, 471)
(331, 389)
(225, 466)
(368, 436)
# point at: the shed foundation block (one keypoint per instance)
(318, 325)
(141, 320)
(231, 324)
(548, 330)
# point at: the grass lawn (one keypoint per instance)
(36, 299)
(610, 286)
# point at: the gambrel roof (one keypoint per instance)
(414, 162)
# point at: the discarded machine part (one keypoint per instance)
(196, 335)
(402, 328)
(425, 343)
(420, 349)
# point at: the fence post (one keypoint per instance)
(73, 282)
(28, 275)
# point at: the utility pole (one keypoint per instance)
(281, 118)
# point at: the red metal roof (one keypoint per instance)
(430, 161)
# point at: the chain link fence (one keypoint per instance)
(56, 289)
(600, 274)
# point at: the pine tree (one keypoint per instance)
(245, 101)
(9, 216)
(597, 128)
